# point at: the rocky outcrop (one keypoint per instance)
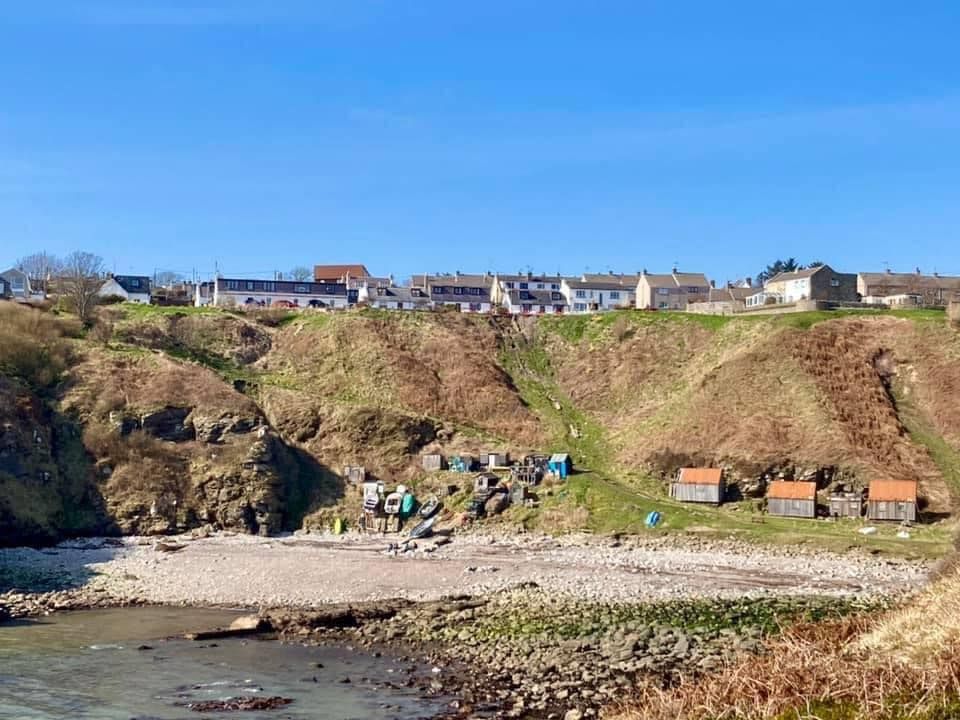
(249, 497)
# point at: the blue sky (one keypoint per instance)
(433, 135)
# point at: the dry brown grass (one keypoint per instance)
(105, 381)
(444, 366)
(807, 672)
(926, 630)
(33, 345)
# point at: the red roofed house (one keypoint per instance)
(786, 498)
(892, 500)
(704, 485)
(339, 273)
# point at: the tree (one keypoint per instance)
(39, 267)
(167, 278)
(300, 273)
(775, 268)
(82, 280)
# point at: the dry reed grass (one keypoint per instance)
(812, 671)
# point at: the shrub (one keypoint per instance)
(33, 347)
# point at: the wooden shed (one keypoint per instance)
(792, 499)
(355, 474)
(702, 485)
(892, 500)
(484, 483)
(846, 505)
(433, 462)
(495, 460)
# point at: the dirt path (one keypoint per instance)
(308, 571)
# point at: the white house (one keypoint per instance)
(238, 292)
(132, 288)
(503, 284)
(597, 293)
(535, 302)
(19, 283)
(389, 297)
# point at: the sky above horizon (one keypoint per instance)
(417, 136)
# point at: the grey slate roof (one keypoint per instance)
(536, 297)
(133, 283)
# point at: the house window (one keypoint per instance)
(135, 283)
(233, 285)
(476, 307)
(556, 296)
(554, 286)
(693, 290)
(580, 307)
(662, 306)
(834, 282)
(458, 291)
(539, 286)
(437, 290)
(249, 284)
(508, 285)
(614, 295)
(663, 291)
(543, 309)
(524, 286)
(269, 287)
(581, 293)
(474, 291)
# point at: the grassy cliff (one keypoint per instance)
(631, 395)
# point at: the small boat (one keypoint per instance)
(429, 508)
(391, 506)
(422, 529)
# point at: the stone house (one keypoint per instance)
(932, 289)
(671, 292)
(821, 283)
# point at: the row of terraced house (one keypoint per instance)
(527, 293)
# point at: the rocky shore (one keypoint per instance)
(532, 627)
(525, 653)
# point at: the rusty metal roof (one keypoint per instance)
(700, 476)
(893, 490)
(788, 490)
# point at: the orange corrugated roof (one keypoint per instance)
(337, 273)
(787, 490)
(893, 490)
(700, 476)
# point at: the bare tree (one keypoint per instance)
(167, 278)
(40, 267)
(300, 273)
(82, 280)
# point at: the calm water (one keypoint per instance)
(87, 665)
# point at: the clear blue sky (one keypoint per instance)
(425, 135)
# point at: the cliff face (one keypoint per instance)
(176, 419)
